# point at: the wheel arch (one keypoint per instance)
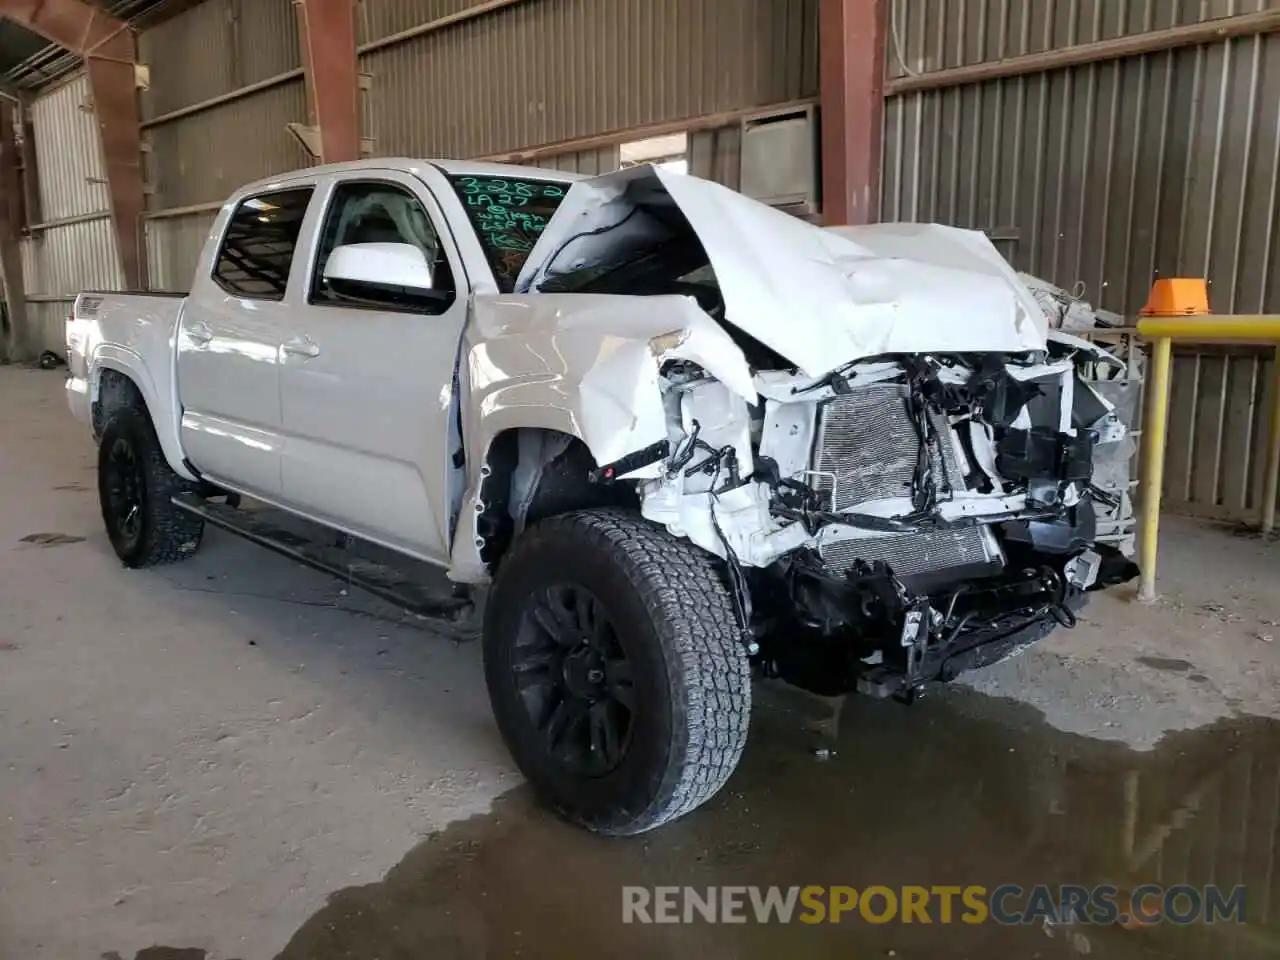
(119, 378)
(528, 473)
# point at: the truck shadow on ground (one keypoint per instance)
(960, 789)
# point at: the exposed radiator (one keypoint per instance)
(867, 441)
(866, 450)
(916, 553)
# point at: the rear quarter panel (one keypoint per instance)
(132, 334)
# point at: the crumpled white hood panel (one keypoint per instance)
(822, 298)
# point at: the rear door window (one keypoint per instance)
(257, 249)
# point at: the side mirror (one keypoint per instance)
(382, 266)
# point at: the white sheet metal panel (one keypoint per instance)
(69, 153)
(60, 260)
(820, 298)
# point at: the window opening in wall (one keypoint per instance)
(670, 152)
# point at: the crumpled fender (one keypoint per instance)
(585, 365)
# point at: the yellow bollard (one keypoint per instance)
(1156, 429)
(1273, 452)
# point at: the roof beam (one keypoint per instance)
(109, 49)
(327, 36)
(851, 45)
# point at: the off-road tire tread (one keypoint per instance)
(685, 590)
(172, 534)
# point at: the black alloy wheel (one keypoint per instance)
(575, 679)
(136, 487)
(616, 669)
(125, 490)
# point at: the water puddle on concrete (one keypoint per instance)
(957, 790)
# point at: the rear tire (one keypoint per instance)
(616, 670)
(135, 489)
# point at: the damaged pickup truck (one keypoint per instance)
(673, 434)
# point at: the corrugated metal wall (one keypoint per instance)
(173, 248)
(215, 48)
(940, 34)
(1218, 426)
(204, 157)
(713, 154)
(717, 155)
(77, 248)
(379, 19)
(603, 160)
(1108, 175)
(543, 71)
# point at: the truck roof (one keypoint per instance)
(461, 168)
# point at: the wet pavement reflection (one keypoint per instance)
(959, 789)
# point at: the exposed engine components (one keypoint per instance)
(914, 516)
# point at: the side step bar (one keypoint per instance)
(381, 580)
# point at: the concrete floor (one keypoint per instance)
(200, 757)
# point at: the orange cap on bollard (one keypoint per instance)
(1179, 297)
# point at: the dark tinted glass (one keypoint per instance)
(258, 248)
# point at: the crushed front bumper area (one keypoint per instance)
(867, 630)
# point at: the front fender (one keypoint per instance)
(584, 365)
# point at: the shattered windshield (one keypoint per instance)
(508, 214)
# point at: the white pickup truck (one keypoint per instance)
(674, 433)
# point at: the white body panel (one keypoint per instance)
(229, 386)
(366, 408)
(133, 335)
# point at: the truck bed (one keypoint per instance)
(134, 293)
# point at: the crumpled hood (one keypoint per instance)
(822, 298)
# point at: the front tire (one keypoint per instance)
(135, 489)
(616, 669)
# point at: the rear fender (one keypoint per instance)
(162, 406)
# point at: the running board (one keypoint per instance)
(373, 577)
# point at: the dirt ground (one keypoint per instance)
(236, 757)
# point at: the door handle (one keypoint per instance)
(199, 333)
(302, 347)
